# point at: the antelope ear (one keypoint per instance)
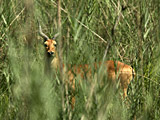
(55, 36)
(44, 39)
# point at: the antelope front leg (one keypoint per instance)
(124, 93)
(72, 86)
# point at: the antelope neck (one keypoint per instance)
(55, 61)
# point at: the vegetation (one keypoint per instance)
(129, 29)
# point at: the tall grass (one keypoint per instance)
(130, 28)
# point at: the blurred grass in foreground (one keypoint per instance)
(26, 92)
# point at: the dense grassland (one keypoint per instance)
(129, 29)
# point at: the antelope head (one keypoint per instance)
(50, 44)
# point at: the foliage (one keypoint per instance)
(129, 28)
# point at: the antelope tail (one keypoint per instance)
(133, 73)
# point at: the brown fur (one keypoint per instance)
(115, 70)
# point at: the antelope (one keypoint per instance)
(116, 70)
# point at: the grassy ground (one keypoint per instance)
(130, 29)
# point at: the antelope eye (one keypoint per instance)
(45, 45)
(55, 45)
